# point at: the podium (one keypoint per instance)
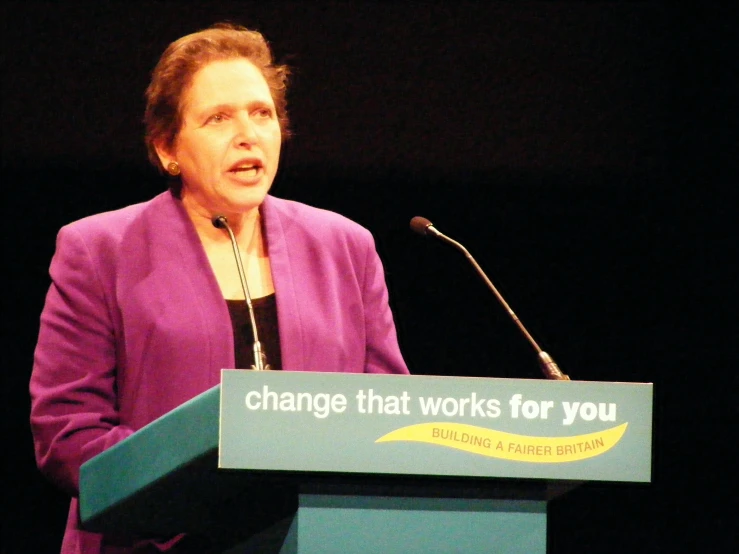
(293, 462)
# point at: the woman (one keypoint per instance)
(145, 305)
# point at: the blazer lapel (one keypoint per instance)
(287, 286)
(192, 270)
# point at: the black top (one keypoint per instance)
(265, 312)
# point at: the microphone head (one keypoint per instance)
(421, 225)
(219, 221)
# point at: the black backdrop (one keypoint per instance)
(582, 152)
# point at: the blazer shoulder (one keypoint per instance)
(112, 225)
(318, 222)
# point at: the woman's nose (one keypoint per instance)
(246, 134)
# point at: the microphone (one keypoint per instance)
(260, 358)
(551, 370)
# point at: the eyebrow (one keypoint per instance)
(232, 107)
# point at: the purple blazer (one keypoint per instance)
(135, 324)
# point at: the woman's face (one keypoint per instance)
(228, 148)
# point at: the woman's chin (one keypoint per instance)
(244, 200)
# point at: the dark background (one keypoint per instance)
(585, 153)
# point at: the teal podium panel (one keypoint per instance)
(327, 524)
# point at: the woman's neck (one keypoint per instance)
(245, 226)
(247, 230)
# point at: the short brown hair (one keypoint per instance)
(178, 64)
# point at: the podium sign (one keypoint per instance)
(435, 426)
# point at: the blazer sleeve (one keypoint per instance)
(382, 350)
(74, 413)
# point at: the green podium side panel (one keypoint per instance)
(144, 484)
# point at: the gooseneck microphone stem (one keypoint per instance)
(489, 283)
(260, 359)
(548, 366)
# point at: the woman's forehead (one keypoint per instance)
(222, 82)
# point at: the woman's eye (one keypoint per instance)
(216, 118)
(264, 113)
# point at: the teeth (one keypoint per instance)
(250, 170)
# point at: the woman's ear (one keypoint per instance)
(164, 154)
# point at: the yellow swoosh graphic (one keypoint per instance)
(509, 446)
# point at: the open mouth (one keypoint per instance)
(246, 168)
